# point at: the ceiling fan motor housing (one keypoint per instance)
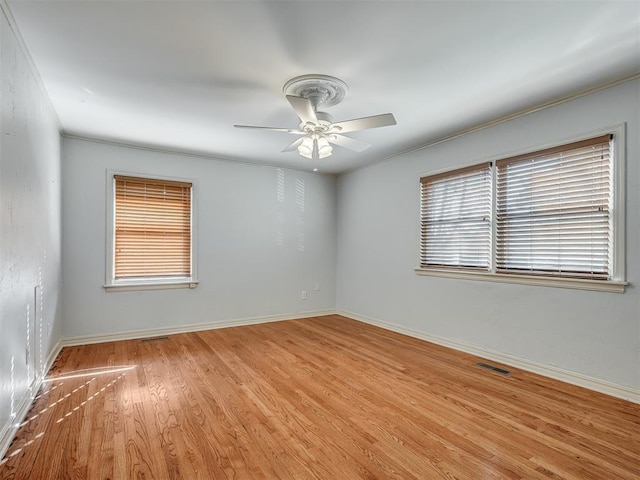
(325, 121)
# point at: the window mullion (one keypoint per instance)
(494, 224)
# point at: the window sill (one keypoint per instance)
(142, 285)
(575, 283)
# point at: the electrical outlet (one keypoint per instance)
(304, 295)
(317, 286)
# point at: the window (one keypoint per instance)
(151, 239)
(548, 217)
(455, 219)
(553, 211)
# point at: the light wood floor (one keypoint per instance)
(322, 398)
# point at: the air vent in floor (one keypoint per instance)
(501, 371)
(154, 339)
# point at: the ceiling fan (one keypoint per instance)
(316, 130)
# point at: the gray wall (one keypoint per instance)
(29, 229)
(264, 235)
(590, 333)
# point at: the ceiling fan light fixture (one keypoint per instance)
(306, 147)
(324, 148)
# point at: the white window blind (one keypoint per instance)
(455, 219)
(152, 228)
(553, 211)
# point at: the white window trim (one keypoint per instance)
(611, 286)
(131, 284)
(618, 282)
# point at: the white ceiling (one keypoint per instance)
(179, 74)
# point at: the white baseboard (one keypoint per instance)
(9, 430)
(196, 327)
(602, 386)
(53, 354)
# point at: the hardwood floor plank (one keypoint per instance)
(321, 398)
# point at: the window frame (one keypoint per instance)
(616, 284)
(114, 285)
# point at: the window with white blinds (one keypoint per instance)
(553, 211)
(152, 229)
(455, 219)
(555, 216)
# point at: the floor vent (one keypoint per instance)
(501, 371)
(154, 339)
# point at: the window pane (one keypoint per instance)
(152, 228)
(554, 212)
(455, 219)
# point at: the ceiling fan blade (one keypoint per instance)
(275, 129)
(346, 142)
(303, 108)
(364, 123)
(293, 146)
